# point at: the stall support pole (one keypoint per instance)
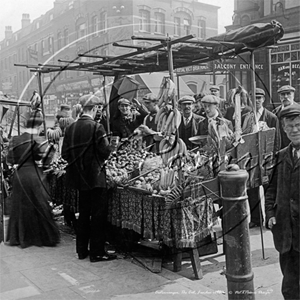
(239, 273)
(259, 154)
(18, 116)
(107, 105)
(42, 101)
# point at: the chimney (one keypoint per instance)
(25, 20)
(8, 32)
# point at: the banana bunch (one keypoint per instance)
(170, 152)
(174, 196)
(167, 180)
(166, 91)
(53, 135)
(168, 120)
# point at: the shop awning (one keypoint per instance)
(153, 81)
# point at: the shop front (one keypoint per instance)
(285, 68)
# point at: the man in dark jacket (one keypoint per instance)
(189, 121)
(286, 95)
(282, 203)
(85, 148)
(262, 115)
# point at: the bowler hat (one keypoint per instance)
(286, 88)
(186, 99)
(292, 110)
(89, 101)
(214, 87)
(210, 99)
(150, 97)
(123, 101)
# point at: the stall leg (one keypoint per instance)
(196, 264)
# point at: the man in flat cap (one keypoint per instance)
(85, 148)
(271, 120)
(126, 120)
(189, 120)
(215, 90)
(210, 104)
(151, 103)
(282, 203)
(286, 95)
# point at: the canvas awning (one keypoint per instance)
(153, 81)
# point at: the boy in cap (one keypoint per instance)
(282, 203)
(189, 121)
(85, 148)
(215, 91)
(150, 101)
(125, 121)
(286, 95)
(210, 105)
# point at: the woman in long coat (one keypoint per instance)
(31, 221)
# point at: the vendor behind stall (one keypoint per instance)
(126, 120)
(189, 120)
(150, 101)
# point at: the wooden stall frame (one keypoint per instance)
(133, 63)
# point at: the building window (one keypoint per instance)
(177, 26)
(187, 26)
(37, 25)
(59, 40)
(50, 44)
(202, 29)
(245, 20)
(285, 61)
(95, 25)
(103, 21)
(66, 37)
(51, 17)
(160, 23)
(43, 47)
(81, 30)
(144, 20)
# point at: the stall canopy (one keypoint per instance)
(152, 83)
(186, 51)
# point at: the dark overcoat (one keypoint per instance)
(85, 148)
(189, 130)
(282, 198)
(284, 139)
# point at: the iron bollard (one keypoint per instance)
(239, 273)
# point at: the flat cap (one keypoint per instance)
(292, 110)
(89, 101)
(210, 99)
(214, 87)
(124, 101)
(65, 107)
(259, 91)
(150, 97)
(186, 99)
(286, 88)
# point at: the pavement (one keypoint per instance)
(40, 273)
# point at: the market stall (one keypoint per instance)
(172, 201)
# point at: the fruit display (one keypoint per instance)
(57, 167)
(121, 164)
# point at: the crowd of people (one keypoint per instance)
(83, 142)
